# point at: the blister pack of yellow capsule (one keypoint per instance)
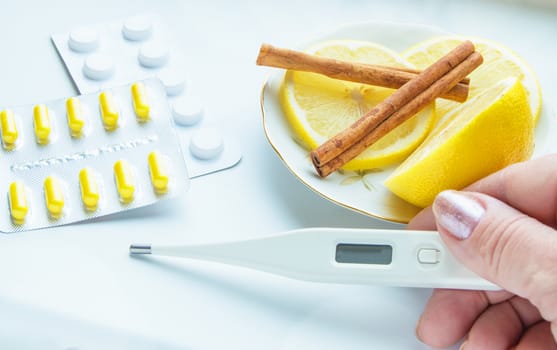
(87, 156)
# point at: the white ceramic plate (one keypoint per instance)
(361, 191)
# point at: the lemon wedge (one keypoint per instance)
(499, 63)
(487, 133)
(318, 107)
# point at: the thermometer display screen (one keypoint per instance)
(374, 254)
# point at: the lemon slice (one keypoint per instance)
(318, 107)
(499, 63)
(489, 132)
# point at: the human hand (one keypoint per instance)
(502, 228)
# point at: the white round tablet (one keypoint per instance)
(98, 67)
(83, 40)
(206, 143)
(137, 28)
(153, 54)
(187, 110)
(174, 81)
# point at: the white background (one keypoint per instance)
(83, 271)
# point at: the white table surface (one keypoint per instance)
(83, 271)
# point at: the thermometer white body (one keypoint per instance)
(397, 258)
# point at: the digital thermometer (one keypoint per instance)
(400, 258)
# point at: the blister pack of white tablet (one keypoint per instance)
(109, 54)
(87, 156)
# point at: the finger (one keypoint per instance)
(424, 220)
(501, 244)
(528, 313)
(537, 337)
(530, 187)
(502, 324)
(499, 327)
(438, 326)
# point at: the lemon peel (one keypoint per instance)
(490, 131)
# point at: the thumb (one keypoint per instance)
(501, 244)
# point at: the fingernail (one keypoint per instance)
(457, 213)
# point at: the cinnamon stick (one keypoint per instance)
(389, 77)
(404, 113)
(363, 126)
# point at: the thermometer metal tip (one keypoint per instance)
(140, 249)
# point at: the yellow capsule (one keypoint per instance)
(18, 201)
(41, 120)
(89, 189)
(158, 171)
(140, 101)
(124, 180)
(109, 110)
(9, 127)
(76, 121)
(54, 197)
